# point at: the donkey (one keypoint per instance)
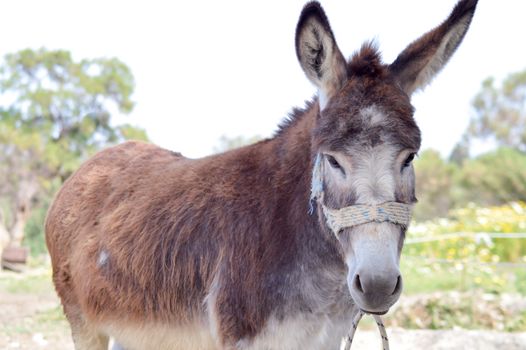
(234, 251)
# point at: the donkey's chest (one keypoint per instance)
(314, 319)
(318, 321)
(304, 331)
(158, 336)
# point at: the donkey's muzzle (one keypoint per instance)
(376, 293)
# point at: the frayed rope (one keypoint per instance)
(316, 188)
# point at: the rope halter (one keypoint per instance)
(339, 219)
(347, 341)
(395, 212)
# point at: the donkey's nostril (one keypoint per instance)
(358, 284)
(398, 285)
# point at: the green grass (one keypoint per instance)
(28, 289)
(26, 284)
(45, 321)
(50, 319)
(520, 281)
(419, 280)
(424, 277)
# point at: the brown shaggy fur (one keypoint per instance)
(169, 223)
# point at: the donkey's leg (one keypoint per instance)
(85, 336)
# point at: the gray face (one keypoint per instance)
(370, 173)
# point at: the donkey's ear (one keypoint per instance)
(418, 64)
(318, 53)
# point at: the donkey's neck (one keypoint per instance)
(294, 155)
(316, 256)
(293, 148)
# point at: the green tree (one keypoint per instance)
(434, 185)
(23, 171)
(460, 152)
(494, 178)
(500, 112)
(226, 143)
(54, 113)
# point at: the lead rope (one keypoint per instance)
(347, 341)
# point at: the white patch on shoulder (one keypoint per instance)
(115, 346)
(161, 336)
(103, 258)
(323, 100)
(373, 115)
(211, 310)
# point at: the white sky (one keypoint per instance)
(208, 68)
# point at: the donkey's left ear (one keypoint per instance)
(418, 64)
(318, 53)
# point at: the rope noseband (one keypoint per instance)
(395, 212)
(338, 219)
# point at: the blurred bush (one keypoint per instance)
(434, 185)
(465, 310)
(56, 112)
(499, 219)
(226, 143)
(35, 237)
(471, 261)
(494, 178)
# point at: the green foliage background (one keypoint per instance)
(473, 261)
(493, 178)
(55, 112)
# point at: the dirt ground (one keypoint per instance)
(33, 319)
(29, 321)
(400, 339)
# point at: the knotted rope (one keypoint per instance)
(347, 341)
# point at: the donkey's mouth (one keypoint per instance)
(380, 313)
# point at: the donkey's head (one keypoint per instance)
(364, 141)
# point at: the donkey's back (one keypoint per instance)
(164, 252)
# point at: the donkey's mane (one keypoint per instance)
(294, 116)
(367, 62)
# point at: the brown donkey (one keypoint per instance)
(235, 251)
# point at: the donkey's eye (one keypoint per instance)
(408, 160)
(333, 162)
